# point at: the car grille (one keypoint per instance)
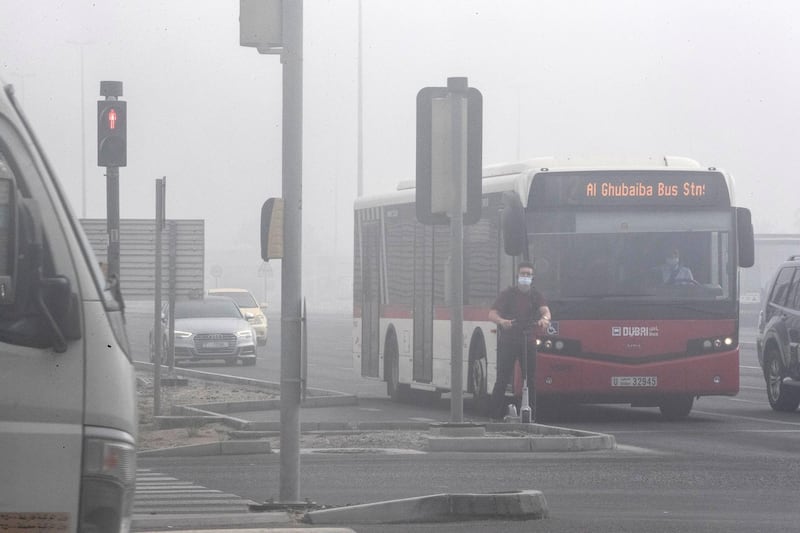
(215, 343)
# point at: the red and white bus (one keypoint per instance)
(598, 236)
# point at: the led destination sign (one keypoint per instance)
(661, 189)
(629, 188)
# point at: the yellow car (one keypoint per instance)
(250, 309)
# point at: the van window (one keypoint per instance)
(37, 306)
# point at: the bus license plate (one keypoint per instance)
(634, 381)
(215, 344)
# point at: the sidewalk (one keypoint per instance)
(255, 419)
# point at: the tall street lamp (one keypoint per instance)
(81, 44)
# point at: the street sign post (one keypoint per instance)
(436, 141)
(448, 191)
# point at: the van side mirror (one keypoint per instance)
(746, 240)
(8, 241)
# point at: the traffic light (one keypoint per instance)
(112, 144)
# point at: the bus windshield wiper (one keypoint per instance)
(603, 296)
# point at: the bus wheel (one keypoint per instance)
(396, 390)
(677, 407)
(478, 384)
(780, 398)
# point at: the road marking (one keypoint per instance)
(373, 409)
(158, 493)
(751, 418)
(422, 419)
(750, 367)
(745, 401)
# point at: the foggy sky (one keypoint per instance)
(717, 81)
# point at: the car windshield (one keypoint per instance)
(207, 309)
(242, 299)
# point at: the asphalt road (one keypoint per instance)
(731, 466)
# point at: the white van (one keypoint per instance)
(67, 384)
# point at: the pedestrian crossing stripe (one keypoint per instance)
(158, 493)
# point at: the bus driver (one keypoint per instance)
(673, 273)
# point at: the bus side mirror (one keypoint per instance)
(744, 232)
(515, 233)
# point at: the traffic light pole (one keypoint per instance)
(291, 265)
(112, 221)
(112, 153)
(276, 27)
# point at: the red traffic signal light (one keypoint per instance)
(112, 149)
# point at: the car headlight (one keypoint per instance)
(182, 334)
(245, 334)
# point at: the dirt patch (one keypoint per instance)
(194, 393)
(198, 391)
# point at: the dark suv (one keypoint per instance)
(778, 338)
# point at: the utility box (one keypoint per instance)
(261, 24)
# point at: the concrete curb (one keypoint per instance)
(224, 447)
(535, 438)
(224, 522)
(264, 530)
(227, 378)
(516, 505)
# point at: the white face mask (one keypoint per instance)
(524, 281)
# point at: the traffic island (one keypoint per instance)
(505, 437)
(513, 505)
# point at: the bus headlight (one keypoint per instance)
(714, 344)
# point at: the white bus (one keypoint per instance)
(596, 234)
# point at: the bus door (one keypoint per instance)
(423, 304)
(371, 297)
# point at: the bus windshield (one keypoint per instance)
(639, 265)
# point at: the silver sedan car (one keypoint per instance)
(210, 329)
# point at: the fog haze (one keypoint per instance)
(711, 80)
